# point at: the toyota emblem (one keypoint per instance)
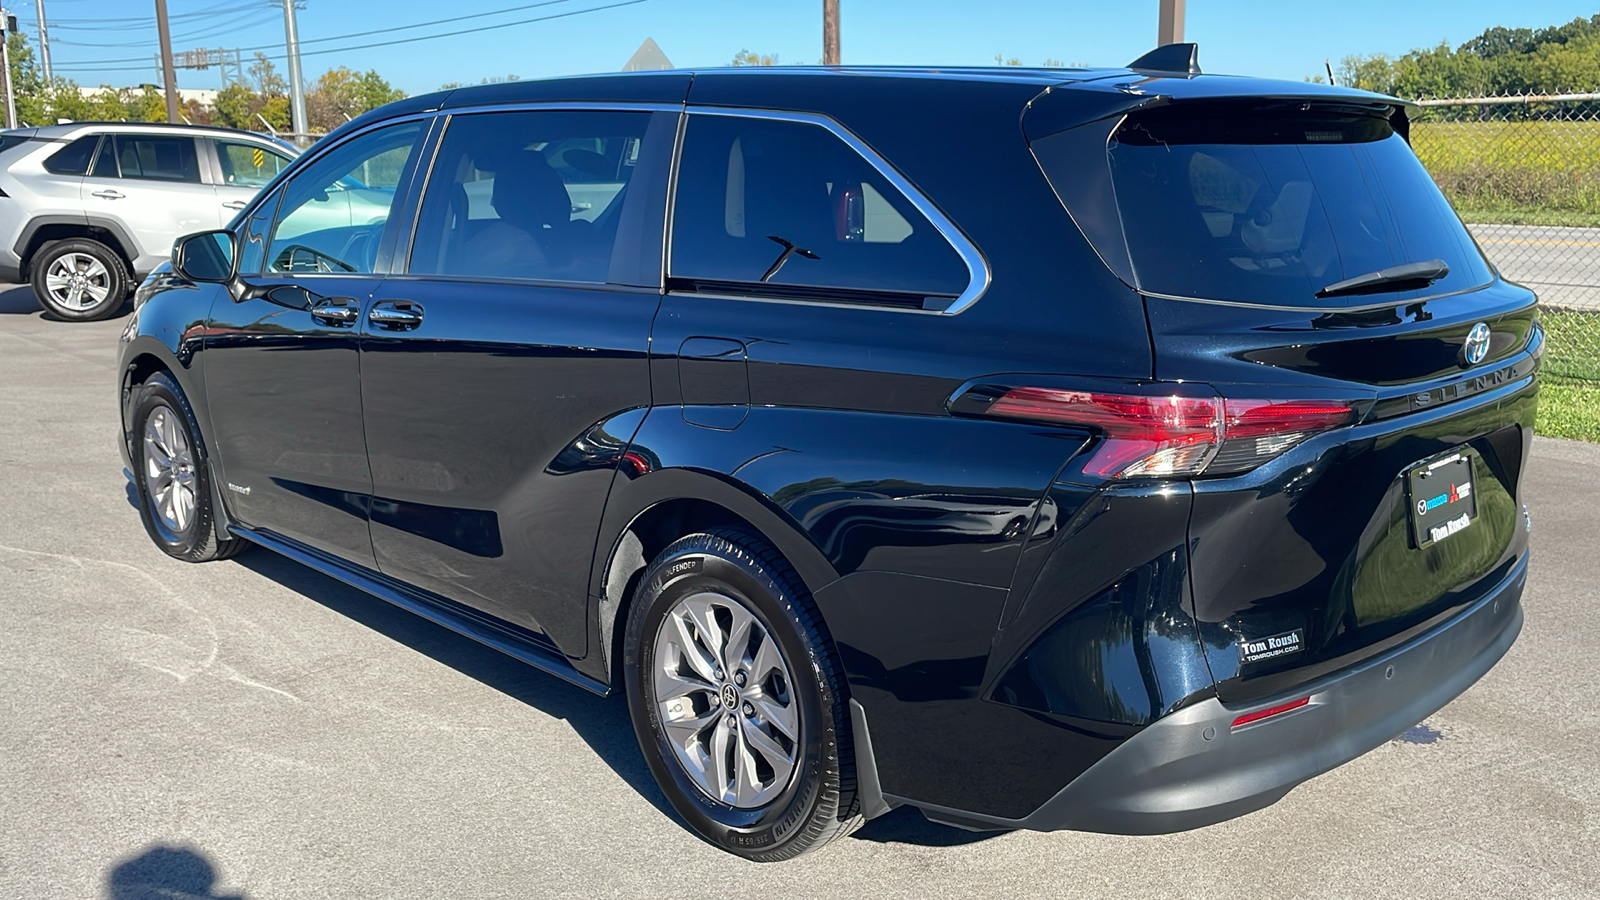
(1476, 346)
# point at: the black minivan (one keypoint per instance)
(1107, 449)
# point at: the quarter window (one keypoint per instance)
(156, 158)
(73, 159)
(790, 209)
(334, 211)
(535, 195)
(248, 165)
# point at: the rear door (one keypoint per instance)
(151, 185)
(243, 168)
(495, 369)
(1245, 223)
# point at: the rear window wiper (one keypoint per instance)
(1417, 274)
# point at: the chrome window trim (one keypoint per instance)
(977, 267)
(561, 105)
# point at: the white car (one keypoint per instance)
(88, 209)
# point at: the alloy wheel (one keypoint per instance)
(78, 281)
(169, 469)
(725, 701)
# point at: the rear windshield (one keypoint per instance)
(1272, 207)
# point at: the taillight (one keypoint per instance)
(1174, 435)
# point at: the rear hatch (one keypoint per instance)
(1293, 249)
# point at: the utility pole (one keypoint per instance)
(830, 32)
(1169, 30)
(5, 63)
(44, 43)
(297, 92)
(169, 78)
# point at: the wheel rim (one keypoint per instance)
(725, 700)
(169, 469)
(78, 281)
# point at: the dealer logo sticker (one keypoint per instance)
(1273, 647)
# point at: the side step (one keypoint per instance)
(529, 647)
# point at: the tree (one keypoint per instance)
(746, 58)
(266, 78)
(149, 106)
(373, 91)
(1558, 59)
(27, 83)
(236, 106)
(106, 105)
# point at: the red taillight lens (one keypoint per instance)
(1175, 436)
(1144, 435)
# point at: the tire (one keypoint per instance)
(767, 817)
(175, 498)
(83, 269)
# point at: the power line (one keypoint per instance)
(122, 23)
(342, 37)
(427, 37)
(206, 31)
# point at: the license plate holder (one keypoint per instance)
(1442, 497)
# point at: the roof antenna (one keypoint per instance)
(1183, 59)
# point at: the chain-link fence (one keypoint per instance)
(1524, 172)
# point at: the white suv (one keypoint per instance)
(88, 209)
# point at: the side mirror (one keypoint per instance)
(206, 257)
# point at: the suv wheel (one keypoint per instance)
(173, 476)
(80, 279)
(737, 700)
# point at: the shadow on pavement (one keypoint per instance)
(21, 301)
(907, 826)
(163, 873)
(603, 723)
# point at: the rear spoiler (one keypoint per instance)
(1070, 105)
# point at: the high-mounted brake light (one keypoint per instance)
(1158, 435)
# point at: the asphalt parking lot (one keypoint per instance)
(252, 728)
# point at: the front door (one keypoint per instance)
(498, 375)
(283, 350)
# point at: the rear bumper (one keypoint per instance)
(1193, 768)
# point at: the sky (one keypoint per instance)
(114, 41)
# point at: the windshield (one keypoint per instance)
(1271, 207)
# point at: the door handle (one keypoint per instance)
(396, 314)
(110, 194)
(336, 311)
(236, 204)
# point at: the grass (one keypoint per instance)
(1569, 398)
(1506, 214)
(1568, 410)
(1516, 173)
(1572, 340)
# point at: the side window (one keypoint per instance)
(333, 212)
(248, 165)
(160, 158)
(105, 162)
(788, 208)
(528, 195)
(73, 159)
